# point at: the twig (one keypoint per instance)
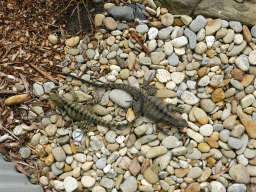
(26, 164)
(43, 73)
(28, 92)
(135, 36)
(78, 13)
(103, 73)
(10, 133)
(90, 17)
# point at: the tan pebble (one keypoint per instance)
(201, 72)
(163, 11)
(151, 174)
(191, 115)
(40, 150)
(224, 82)
(49, 160)
(53, 39)
(221, 33)
(247, 79)
(126, 44)
(108, 5)
(17, 99)
(181, 172)
(67, 168)
(76, 82)
(205, 175)
(211, 161)
(72, 41)
(249, 124)
(130, 115)
(203, 147)
(215, 136)
(240, 95)
(210, 52)
(98, 19)
(193, 187)
(212, 143)
(73, 148)
(218, 95)
(212, 26)
(201, 116)
(247, 34)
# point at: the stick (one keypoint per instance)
(78, 13)
(28, 92)
(43, 73)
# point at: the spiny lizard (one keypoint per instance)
(150, 106)
(83, 113)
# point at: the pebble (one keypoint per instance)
(70, 184)
(216, 186)
(152, 33)
(198, 23)
(142, 28)
(110, 23)
(121, 13)
(88, 181)
(167, 19)
(129, 185)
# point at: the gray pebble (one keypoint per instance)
(236, 26)
(129, 185)
(235, 143)
(173, 59)
(101, 163)
(224, 135)
(237, 188)
(120, 97)
(110, 136)
(24, 152)
(191, 38)
(198, 23)
(38, 89)
(170, 142)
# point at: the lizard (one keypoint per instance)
(83, 113)
(145, 103)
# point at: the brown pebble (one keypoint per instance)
(112, 147)
(248, 124)
(237, 74)
(49, 160)
(212, 143)
(181, 172)
(73, 148)
(218, 95)
(193, 187)
(247, 79)
(203, 147)
(247, 34)
(210, 52)
(211, 161)
(110, 23)
(201, 71)
(240, 95)
(177, 22)
(67, 168)
(17, 99)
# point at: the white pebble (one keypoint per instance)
(209, 40)
(206, 130)
(152, 33)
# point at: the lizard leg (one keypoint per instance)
(177, 109)
(151, 91)
(160, 127)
